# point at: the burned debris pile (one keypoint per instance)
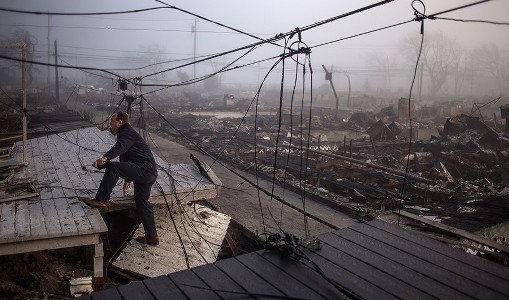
(458, 173)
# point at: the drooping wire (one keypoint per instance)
(291, 136)
(281, 97)
(306, 225)
(472, 21)
(277, 37)
(291, 247)
(81, 14)
(72, 92)
(204, 77)
(230, 140)
(240, 175)
(186, 256)
(432, 16)
(288, 34)
(217, 23)
(407, 167)
(61, 66)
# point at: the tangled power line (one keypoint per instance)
(301, 49)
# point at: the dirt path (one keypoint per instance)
(240, 200)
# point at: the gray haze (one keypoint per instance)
(378, 63)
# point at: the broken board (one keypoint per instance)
(201, 237)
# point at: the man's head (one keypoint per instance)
(117, 120)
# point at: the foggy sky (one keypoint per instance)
(168, 31)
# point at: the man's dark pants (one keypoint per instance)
(142, 181)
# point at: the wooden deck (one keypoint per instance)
(374, 260)
(61, 172)
(59, 168)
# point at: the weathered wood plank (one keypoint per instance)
(55, 170)
(49, 210)
(65, 217)
(95, 218)
(152, 262)
(37, 220)
(72, 153)
(22, 219)
(202, 242)
(7, 221)
(38, 170)
(205, 170)
(80, 217)
(21, 197)
(24, 246)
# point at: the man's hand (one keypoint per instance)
(100, 162)
(127, 185)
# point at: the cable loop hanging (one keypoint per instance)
(421, 16)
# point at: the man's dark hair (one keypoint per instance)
(122, 116)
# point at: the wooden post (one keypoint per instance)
(57, 90)
(350, 153)
(98, 279)
(317, 173)
(23, 79)
(344, 145)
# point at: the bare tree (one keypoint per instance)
(441, 56)
(495, 62)
(384, 66)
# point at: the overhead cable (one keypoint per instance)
(217, 23)
(473, 21)
(83, 13)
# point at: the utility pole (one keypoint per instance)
(328, 76)
(57, 90)
(420, 81)
(194, 50)
(49, 54)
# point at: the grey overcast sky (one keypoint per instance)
(128, 40)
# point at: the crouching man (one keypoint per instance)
(136, 166)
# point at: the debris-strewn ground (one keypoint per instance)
(460, 164)
(41, 275)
